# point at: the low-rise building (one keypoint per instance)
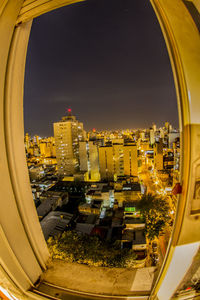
(50, 201)
(36, 173)
(86, 223)
(54, 223)
(134, 239)
(91, 208)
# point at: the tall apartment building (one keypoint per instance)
(93, 159)
(154, 127)
(68, 132)
(89, 159)
(118, 160)
(130, 160)
(142, 135)
(83, 156)
(172, 136)
(45, 149)
(27, 141)
(106, 164)
(162, 134)
(36, 140)
(151, 136)
(158, 156)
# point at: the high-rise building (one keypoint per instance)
(36, 140)
(142, 135)
(167, 127)
(45, 149)
(83, 156)
(89, 159)
(106, 164)
(154, 127)
(93, 162)
(68, 132)
(130, 160)
(118, 160)
(27, 141)
(158, 156)
(172, 136)
(162, 134)
(152, 136)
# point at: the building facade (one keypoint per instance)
(68, 132)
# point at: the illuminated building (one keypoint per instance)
(167, 125)
(83, 157)
(43, 153)
(118, 160)
(36, 173)
(27, 141)
(89, 160)
(158, 156)
(36, 151)
(162, 134)
(106, 165)
(172, 136)
(45, 149)
(68, 132)
(152, 136)
(142, 135)
(36, 140)
(130, 160)
(93, 159)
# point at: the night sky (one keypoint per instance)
(104, 59)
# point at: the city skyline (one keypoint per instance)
(108, 64)
(94, 129)
(95, 183)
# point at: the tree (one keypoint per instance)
(156, 212)
(90, 250)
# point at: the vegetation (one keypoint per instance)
(90, 250)
(156, 213)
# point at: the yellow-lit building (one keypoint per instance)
(158, 156)
(27, 141)
(89, 160)
(130, 160)
(152, 136)
(93, 159)
(118, 160)
(83, 156)
(68, 132)
(106, 164)
(45, 149)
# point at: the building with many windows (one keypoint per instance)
(118, 159)
(68, 132)
(89, 160)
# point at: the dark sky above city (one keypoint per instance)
(104, 59)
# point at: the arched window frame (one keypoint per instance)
(23, 251)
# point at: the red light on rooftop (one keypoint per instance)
(188, 288)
